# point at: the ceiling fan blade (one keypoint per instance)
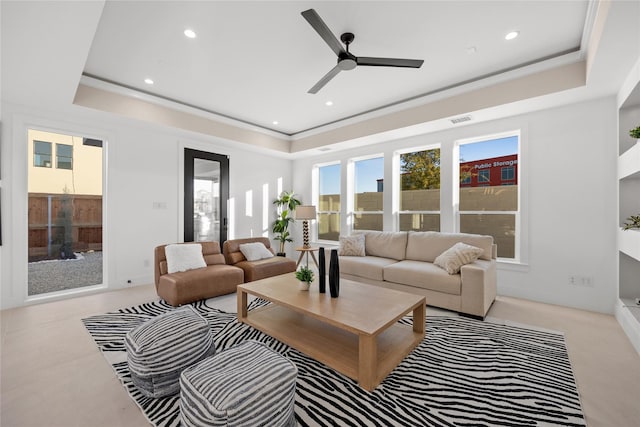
(390, 62)
(323, 81)
(318, 24)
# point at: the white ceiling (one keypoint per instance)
(255, 61)
(47, 46)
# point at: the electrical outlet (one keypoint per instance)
(583, 281)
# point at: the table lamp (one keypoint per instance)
(305, 213)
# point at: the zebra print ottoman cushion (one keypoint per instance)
(159, 349)
(246, 385)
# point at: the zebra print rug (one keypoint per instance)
(464, 373)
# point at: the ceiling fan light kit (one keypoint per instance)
(346, 60)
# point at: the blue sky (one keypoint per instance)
(330, 179)
(489, 149)
(367, 174)
(369, 171)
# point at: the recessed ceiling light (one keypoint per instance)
(190, 33)
(275, 122)
(148, 81)
(328, 103)
(512, 35)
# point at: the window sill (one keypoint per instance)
(507, 265)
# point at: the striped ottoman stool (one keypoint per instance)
(246, 385)
(160, 348)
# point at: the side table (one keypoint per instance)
(307, 251)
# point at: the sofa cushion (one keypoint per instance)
(194, 285)
(256, 270)
(369, 267)
(427, 245)
(231, 248)
(423, 275)
(255, 251)
(183, 257)
(456, 256)
(386, 244)
(351, 245)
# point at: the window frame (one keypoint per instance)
(481, 173)
(36, 154)
(511, 172)
(58, 156)
(397, 188)
(351, 191)
(316, 200)
(518, 220)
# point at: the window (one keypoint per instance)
(64, 156)
(508, 173)
(42, 154)
(329, 202)
(420, 191)
(486, 207)
(64, 217)
(367, 198)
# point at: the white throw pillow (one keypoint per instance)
(184, 257)
(255, 251)
(352, 245)
(456, 256)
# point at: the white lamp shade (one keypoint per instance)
(305, 212)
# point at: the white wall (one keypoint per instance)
(568, 184)
(144, 166)
(568, 165)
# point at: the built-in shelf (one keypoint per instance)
(628, 315)
(634, 308)
(629, 163)
(627, 311)
(629, 243)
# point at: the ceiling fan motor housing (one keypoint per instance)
(347, 61)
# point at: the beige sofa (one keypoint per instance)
(260, 269)
(183, 287)
(404, 261)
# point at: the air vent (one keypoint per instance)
(460, 119)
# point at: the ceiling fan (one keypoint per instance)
(346, 60)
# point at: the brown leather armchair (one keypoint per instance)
(183, 287)
(255, 270)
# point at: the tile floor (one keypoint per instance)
(52, 374)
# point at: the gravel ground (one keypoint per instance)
(58, 275)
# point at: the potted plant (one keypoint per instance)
(634, 223)
(285, 205)
(305, 276)
(635, 133)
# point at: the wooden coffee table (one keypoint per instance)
(357, 334)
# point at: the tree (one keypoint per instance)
(64, 223)
(420, 170)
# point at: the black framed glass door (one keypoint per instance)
(206, 191)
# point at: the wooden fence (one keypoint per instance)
(55, 219)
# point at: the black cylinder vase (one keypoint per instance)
(322, 272)
(334, 274)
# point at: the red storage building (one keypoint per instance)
(496, 171)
